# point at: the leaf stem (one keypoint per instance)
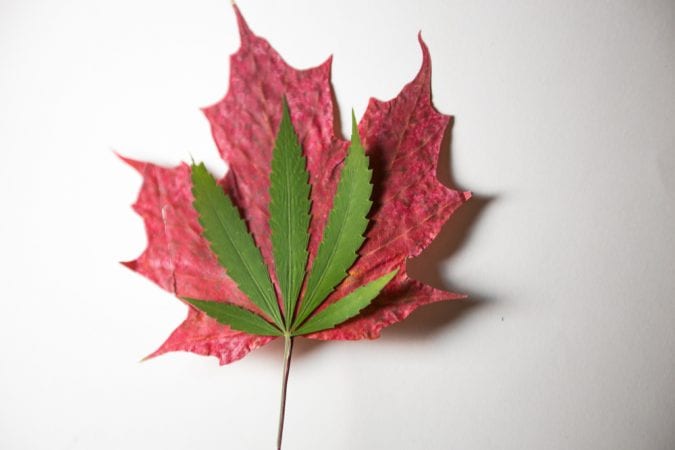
(288, 350)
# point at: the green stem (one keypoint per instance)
(288, 349)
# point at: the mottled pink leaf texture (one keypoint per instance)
(402, 137)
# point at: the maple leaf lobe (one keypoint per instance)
(403, 137)
(178, 259)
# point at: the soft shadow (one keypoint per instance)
(452, 237)
(427, 266)
(430, 320)
(303, 346)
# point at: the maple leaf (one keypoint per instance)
(401, 138)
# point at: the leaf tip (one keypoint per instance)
(420, 39)
(356, 139)
(152, 355)
(139, 166)
(244, 31)
(424, 73)
(190, 301)
(285, 111)
(130, 264)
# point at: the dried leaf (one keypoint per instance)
(401, 138)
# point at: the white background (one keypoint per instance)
(565, 131)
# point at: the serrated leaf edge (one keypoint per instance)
(360, 296)
(266, 303)
(313, 296)
(289, 180)
(256, 321)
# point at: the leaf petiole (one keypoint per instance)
(288, 350)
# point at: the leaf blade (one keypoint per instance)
(289, 213)
(347, 307)
(343, 234)
(237, 318)
(231, 242)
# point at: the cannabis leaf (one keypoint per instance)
(343, 234)
(235, 317)
(346, 307)
(230, 241)
(288, 243)
(289, 213)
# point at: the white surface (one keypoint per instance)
(565, 128)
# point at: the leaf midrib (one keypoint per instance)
(289, 241)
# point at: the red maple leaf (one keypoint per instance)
(402, 137)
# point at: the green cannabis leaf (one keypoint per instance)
(289, 213)
(289, 220)
(347, 307)
(226, 232)
(344, 231)
(236, 317)
(229, 239)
